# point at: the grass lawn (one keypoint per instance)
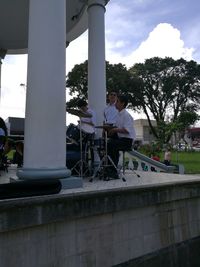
(190, 160)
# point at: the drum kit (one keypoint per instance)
(85, 132)
(79, 113)
(76, 134)
(106, 160)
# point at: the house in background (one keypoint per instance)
(143, 131)
(194, 133)
(144, 134)
(15, 126)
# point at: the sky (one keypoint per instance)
(135, 30)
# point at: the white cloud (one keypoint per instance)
(163, 41)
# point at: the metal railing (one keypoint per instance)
(138, 161)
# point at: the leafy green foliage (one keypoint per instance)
(150, 149)
(118, 79)
(76, 82)
(168, 87)
(187, 118)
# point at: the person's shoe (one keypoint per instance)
(114, 175)
(110, 173)
(106, 178)
(106, 174)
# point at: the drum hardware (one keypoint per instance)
(74, 156)
(73, 133)
(87, 128)
(78, 167)
(79, 113)
(72, 141)
(105, 127)
(106, 160)
(99, 143)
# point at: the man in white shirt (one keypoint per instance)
(88, 123)
(124, 133)
(110, 111)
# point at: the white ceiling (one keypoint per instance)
(14, 23)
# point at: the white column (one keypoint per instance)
(0, 79)
(2, 55)
(96, 58)
(45, 120)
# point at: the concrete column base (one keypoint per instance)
(63, 174)
(71, 182)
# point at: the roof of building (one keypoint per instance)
(194, 130)
(14, 23)
(144, 122)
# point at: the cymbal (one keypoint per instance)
(79, 113)
(105, 127)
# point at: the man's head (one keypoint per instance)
(122, 102)
(112, 97)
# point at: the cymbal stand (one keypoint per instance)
(104, 162)
(79, 164)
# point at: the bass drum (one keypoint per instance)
(73, 133)
(87, 132)
(87, 128)
(73, 159)
(73, 155)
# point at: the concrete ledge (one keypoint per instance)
(184, 254)
(105, 224)
(33, 211)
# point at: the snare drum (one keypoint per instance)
(73, 132)
(87, 132)
(87, 128)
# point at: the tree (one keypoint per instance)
(166, 88)
(118, 79)
(185, 119)
(161, 88)
(76, 82)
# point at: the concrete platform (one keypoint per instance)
(146, 179)
(153, 220)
